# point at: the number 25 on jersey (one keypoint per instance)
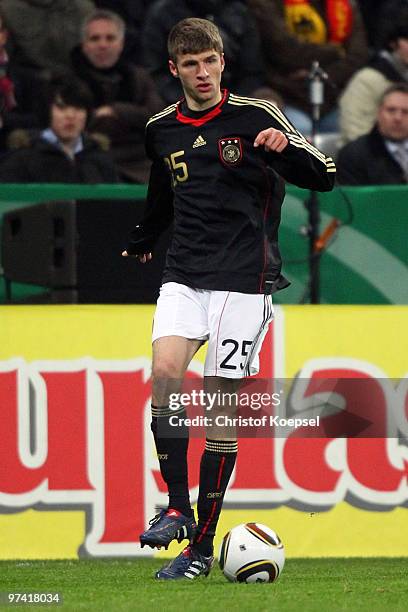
(178, 168)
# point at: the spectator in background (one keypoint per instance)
(370, 10)
(243, 72)
(133, 14)
(7, 97)
(380, 16)
(380, 157)
(124, 96)
(294, 33)
(359, 101)
(18, 105)
(390, 12)
(62, 153)
(43, 33)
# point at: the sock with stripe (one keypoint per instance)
(216, 467)
(171, 446)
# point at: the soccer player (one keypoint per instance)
(218, 162)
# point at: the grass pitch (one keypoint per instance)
(306, 585)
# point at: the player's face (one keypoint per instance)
(392, 116)
(200, 76)
(67, 122)
(103, 43)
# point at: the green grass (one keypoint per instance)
(306, 585)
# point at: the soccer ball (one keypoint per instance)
(251, 552)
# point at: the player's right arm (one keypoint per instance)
(157, 217)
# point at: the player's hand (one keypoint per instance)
(142, 258)
(272, 140)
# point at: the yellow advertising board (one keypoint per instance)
(78, 472)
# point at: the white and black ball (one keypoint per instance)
(251, 552)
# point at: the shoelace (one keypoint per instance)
(157, 518)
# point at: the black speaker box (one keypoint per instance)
(74, 249)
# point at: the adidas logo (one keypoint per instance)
(199, 142)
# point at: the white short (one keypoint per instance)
(235, 325)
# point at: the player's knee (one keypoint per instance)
(165, 368)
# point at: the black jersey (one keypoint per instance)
(224, 194)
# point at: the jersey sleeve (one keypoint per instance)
(159, 212)
(300, 163)
(159, 203)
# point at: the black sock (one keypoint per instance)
(216, 467)
(171, 445)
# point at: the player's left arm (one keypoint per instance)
(292, 156)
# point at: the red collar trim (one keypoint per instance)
(197, 122)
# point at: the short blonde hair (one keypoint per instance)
(193, 35)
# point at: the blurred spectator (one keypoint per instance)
(18, 105)
(61, 153)
(380, 157)
(133, 13)
(380, 16)
(370, 10)
(294, 33)
(7, 97)
(43, 32)
(359, 101)
(243, 72)
(124, 94)
(390, 13)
